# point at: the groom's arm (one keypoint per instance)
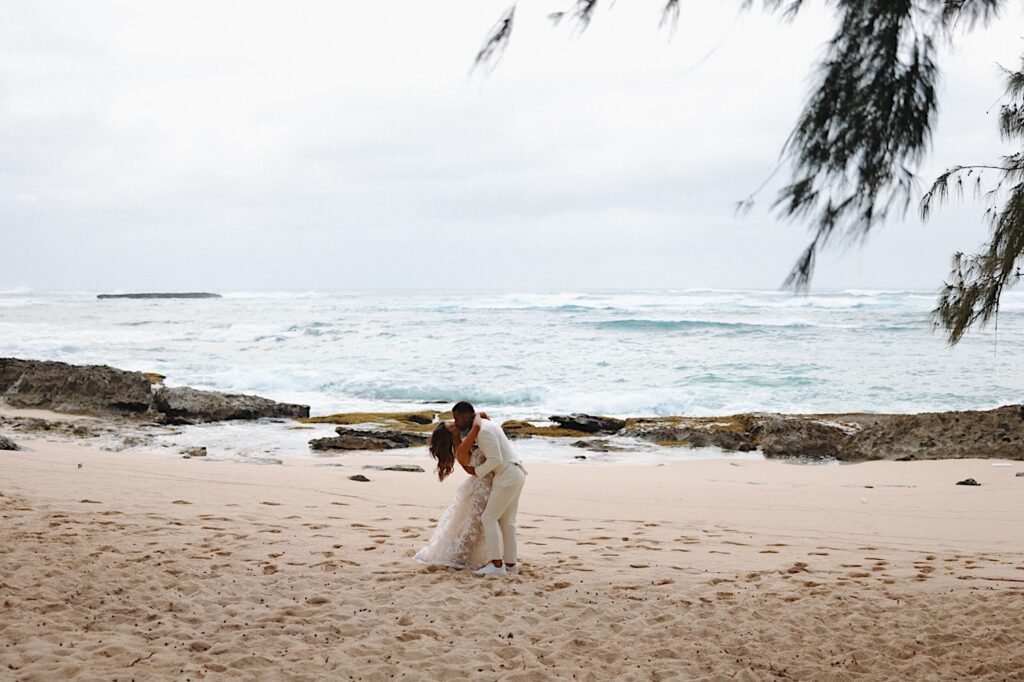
(487, 441)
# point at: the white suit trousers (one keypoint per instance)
(499, 517)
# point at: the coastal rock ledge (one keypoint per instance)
(102, 390)
(851, 437)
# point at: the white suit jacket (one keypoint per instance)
(498, 452)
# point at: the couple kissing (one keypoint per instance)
(478, 529)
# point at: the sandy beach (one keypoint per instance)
(147, 566)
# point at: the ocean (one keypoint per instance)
(529, 355)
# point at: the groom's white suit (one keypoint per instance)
(499, 517)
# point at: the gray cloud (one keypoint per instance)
(337, 145)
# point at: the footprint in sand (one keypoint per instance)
(271, 504)
(90, 502)
(181, 502)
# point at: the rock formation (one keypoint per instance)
(997, 433)
(353, 439)
(107, 391)
(196, 405)
(588, 423)
(186, 294)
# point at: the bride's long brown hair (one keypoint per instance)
(442, 448)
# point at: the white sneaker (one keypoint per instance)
(490, 569)
(513, 569)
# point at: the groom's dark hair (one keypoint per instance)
(462, 407)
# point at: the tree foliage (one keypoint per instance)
(864, 129)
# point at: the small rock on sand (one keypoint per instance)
(968, 481)
(360, 478)
(8, 444)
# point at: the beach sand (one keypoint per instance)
(148, 566)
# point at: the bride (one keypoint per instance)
(457, 541)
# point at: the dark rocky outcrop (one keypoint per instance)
(851, 437)
(102, 390)
(80, 389)
(352, 439)
(412, 468)
(185, 294)
(8, 444)
(520, 429)
(598, 445)
(589, 423)
(206, 406)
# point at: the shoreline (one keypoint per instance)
(140, 411)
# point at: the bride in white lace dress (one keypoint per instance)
(457, 541)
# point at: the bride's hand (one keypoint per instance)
(483, 415)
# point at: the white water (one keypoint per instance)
(626, 353)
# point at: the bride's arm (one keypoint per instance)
(464, 448)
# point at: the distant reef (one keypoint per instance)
(102, 390)
(184, 294)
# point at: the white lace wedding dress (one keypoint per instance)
(457, 541)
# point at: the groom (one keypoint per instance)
(499, 517)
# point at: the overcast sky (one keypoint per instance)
(338, 144)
